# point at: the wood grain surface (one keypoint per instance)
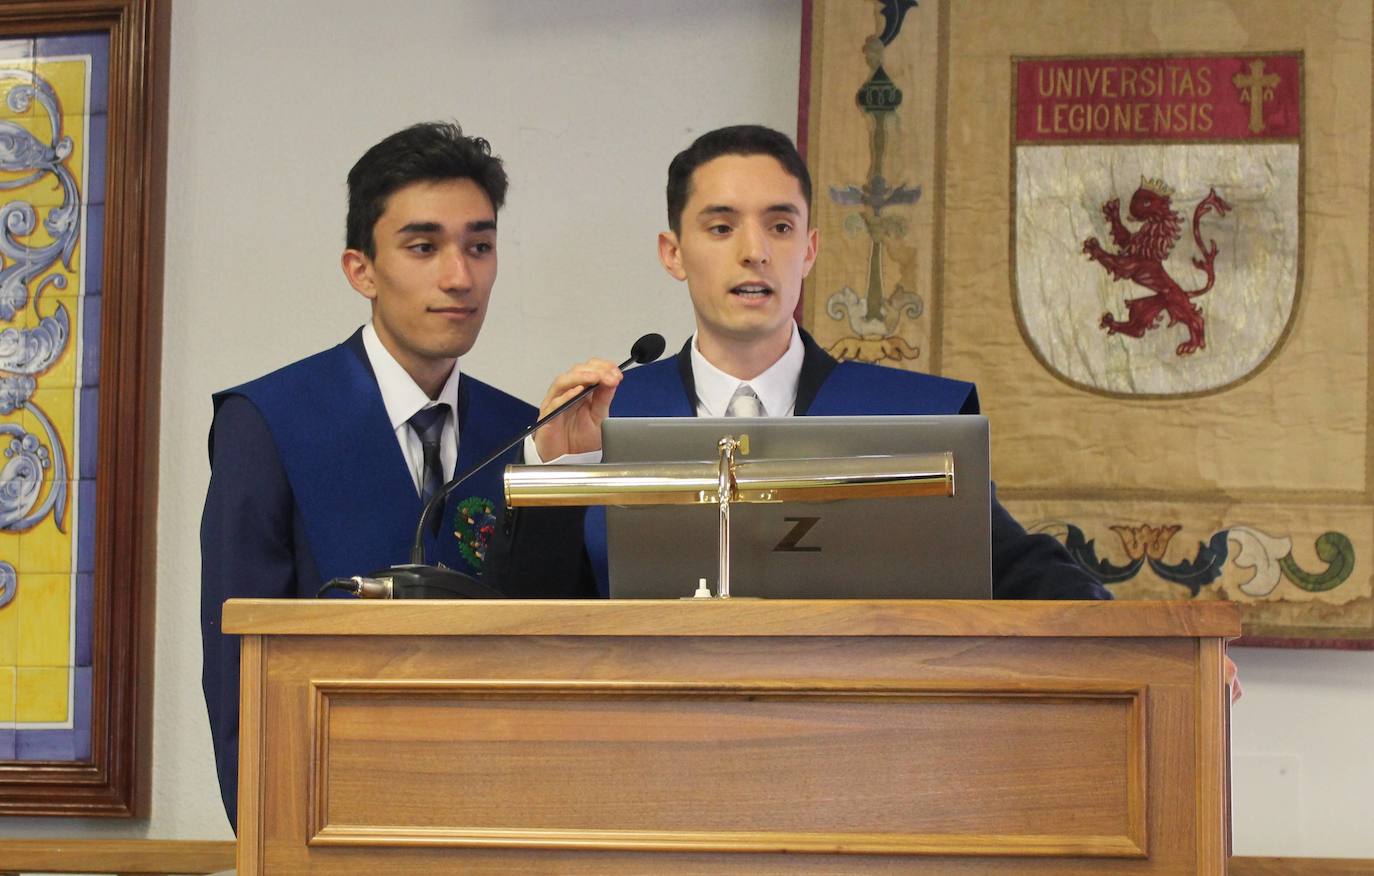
(743, 737)
(730, 617)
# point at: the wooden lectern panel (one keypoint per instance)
(880, 751)
(850, 765)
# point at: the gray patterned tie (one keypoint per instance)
(429, 426)
(745, 403)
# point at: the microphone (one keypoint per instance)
(648, 348)
(645, 350)
(416, 580)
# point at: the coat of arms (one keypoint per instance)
(1140, 301)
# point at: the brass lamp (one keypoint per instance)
(729, 480)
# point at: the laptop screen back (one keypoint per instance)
(899, 548)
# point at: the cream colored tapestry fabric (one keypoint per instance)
(1144, 230)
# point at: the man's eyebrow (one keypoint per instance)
(436, 227)
(718, 209)
(714, 209)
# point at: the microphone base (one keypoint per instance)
(412, 581)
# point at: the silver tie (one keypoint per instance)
(745, 403)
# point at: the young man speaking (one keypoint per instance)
(739, 213)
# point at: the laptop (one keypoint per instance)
(921, 547)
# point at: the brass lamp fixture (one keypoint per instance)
(729, 480)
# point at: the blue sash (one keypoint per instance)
(349, 478)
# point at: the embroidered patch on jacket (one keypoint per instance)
(474, 523)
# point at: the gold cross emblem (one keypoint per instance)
(1255, 88)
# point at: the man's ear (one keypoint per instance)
(357, 268)
(670, 253)
(813, 246)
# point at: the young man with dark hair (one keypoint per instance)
(742, 140)
(320, 469)
(738, 212)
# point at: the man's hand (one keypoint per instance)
(578, 429)
(1232, 679)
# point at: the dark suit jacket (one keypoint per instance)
(256, 541)
(540, 553)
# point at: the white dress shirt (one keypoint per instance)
(776, 388)
(404, 398)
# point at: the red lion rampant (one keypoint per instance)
(1141, 260)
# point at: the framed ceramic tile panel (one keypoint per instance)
(82, 140)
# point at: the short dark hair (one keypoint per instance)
(734, 140)
(429, 151)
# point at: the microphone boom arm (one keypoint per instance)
(648, 348)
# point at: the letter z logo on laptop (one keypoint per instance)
(792, 540)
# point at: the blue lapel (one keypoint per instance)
(854, 388)
(656, 390)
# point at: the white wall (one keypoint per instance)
(587, 101)
(1302, 779)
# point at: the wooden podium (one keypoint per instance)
(740, 736)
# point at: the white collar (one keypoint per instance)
(401, 395)
(776, 387)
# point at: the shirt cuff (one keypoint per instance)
(591, 457)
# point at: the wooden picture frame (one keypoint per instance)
(115, 780)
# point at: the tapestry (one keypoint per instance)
(1144, 231)
(52, 161)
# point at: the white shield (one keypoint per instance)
(1061, 295)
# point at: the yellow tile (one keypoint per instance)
(62, 373)
(46, 191)
(58, 404)
(45, 603)
(77, 125)
(9, 543)
(9, 634)
(41, 694)
(44, 549)
(68, 80)
(7, 85)
(6, 693)
(42, 194)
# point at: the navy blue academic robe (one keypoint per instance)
(553, 553)
(308, 483)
